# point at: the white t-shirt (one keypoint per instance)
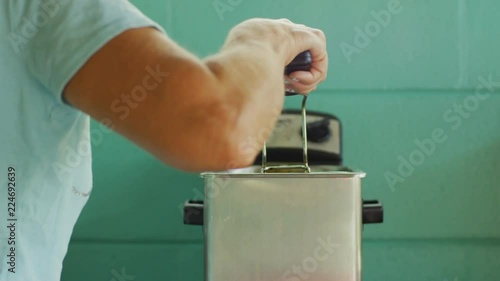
(45, 161)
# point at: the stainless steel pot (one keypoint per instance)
(285, 221)
(283, 226)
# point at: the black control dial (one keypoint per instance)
(319, 131)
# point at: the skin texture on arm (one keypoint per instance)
(192, 114)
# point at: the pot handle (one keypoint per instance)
(302, 62)
(304, 167)
(373, 212)
(193, 212)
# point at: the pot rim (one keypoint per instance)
(323, 171)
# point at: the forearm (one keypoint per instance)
(198, 114)
(195, 115)
(229, 99)
(252, 76)
(240, 93)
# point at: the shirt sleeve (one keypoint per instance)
(59, 36)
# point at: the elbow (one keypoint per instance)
(214, 134)
(235, 142)
(221, 149)
(214, 129)
(239, 154)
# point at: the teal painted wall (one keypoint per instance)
(395, 90)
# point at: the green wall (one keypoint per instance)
(397, 89)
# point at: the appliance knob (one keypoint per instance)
(319, 131)
(193, 212)
(373, 212)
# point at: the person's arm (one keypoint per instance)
(192, 114)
